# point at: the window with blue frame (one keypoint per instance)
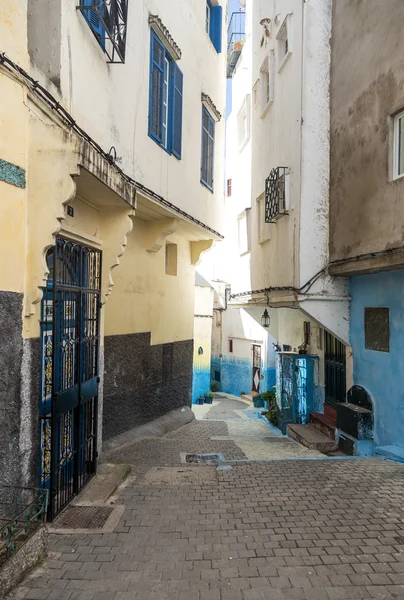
(93, 14)
(213, 24)
(208, 143)
(165, 98)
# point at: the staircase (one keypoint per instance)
(319, 434)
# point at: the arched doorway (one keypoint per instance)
(70, 332)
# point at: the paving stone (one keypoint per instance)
(281, 530)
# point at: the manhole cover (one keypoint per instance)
(83, 517)
(203, 459)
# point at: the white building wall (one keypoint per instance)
(111, 101)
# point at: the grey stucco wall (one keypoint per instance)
(11, 351)
(367, 87)
(143, 382)
(19, 396)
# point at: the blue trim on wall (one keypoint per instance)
(379, 372)
(200, 383)
(12, 174)
(236, 375)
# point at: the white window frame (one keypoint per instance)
(243, 221)
(396, 144)
(264, 229)
(267, 82)
(284, 35)
(243, 123)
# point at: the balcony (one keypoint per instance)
(276, 194)
(235, 40)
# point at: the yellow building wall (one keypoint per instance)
(13, 146)
(202, 339)
(145, 298)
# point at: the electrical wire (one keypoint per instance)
(51, 101)
(303, 290)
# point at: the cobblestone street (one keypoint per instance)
(315, 528)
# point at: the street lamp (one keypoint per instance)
(265, 319)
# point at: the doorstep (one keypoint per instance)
(311, 437)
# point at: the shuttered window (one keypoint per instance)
(208, 142)
(92, 16)
(214, 15)
(165, 102)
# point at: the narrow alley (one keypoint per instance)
(299, 526)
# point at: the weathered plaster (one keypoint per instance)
(367, 86)
(376, 371)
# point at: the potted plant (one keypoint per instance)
(272, 414)
(208, 398)
(258, 402)
(201, 400)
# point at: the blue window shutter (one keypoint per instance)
(156, 88)
(177, 80)
(94, 21)
(216, 27)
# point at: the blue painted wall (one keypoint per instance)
(236, 375)
(380, 373)
(200, 383)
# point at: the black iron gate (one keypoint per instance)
(70, 330)
(335, 369)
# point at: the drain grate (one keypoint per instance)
(203, 459)
(83, 517)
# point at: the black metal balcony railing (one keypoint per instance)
(22, 512)
(108, 21)
(235, 40)
(275, 194)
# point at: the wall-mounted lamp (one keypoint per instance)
(265, 319)
(200, 350)
(266, 23)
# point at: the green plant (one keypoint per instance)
(215, 387)
(269, 396)
(242, 393)
(209, 395)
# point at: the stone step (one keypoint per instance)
(325, 424)
(311, 437)
(330, 411)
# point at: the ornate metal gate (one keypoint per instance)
(335, 369)
(70, 332)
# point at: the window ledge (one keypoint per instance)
(245, 252)
(398, 177)
(243, 143)
(207, 186)
(165, 37)
(284, 61)
(263, 240)
(266, 109)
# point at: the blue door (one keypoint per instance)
(69, 371)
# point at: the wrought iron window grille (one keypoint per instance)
(275, 194)
(108, 21)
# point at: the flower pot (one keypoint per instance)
(201, 400)
(258, 403)
(208, 400)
